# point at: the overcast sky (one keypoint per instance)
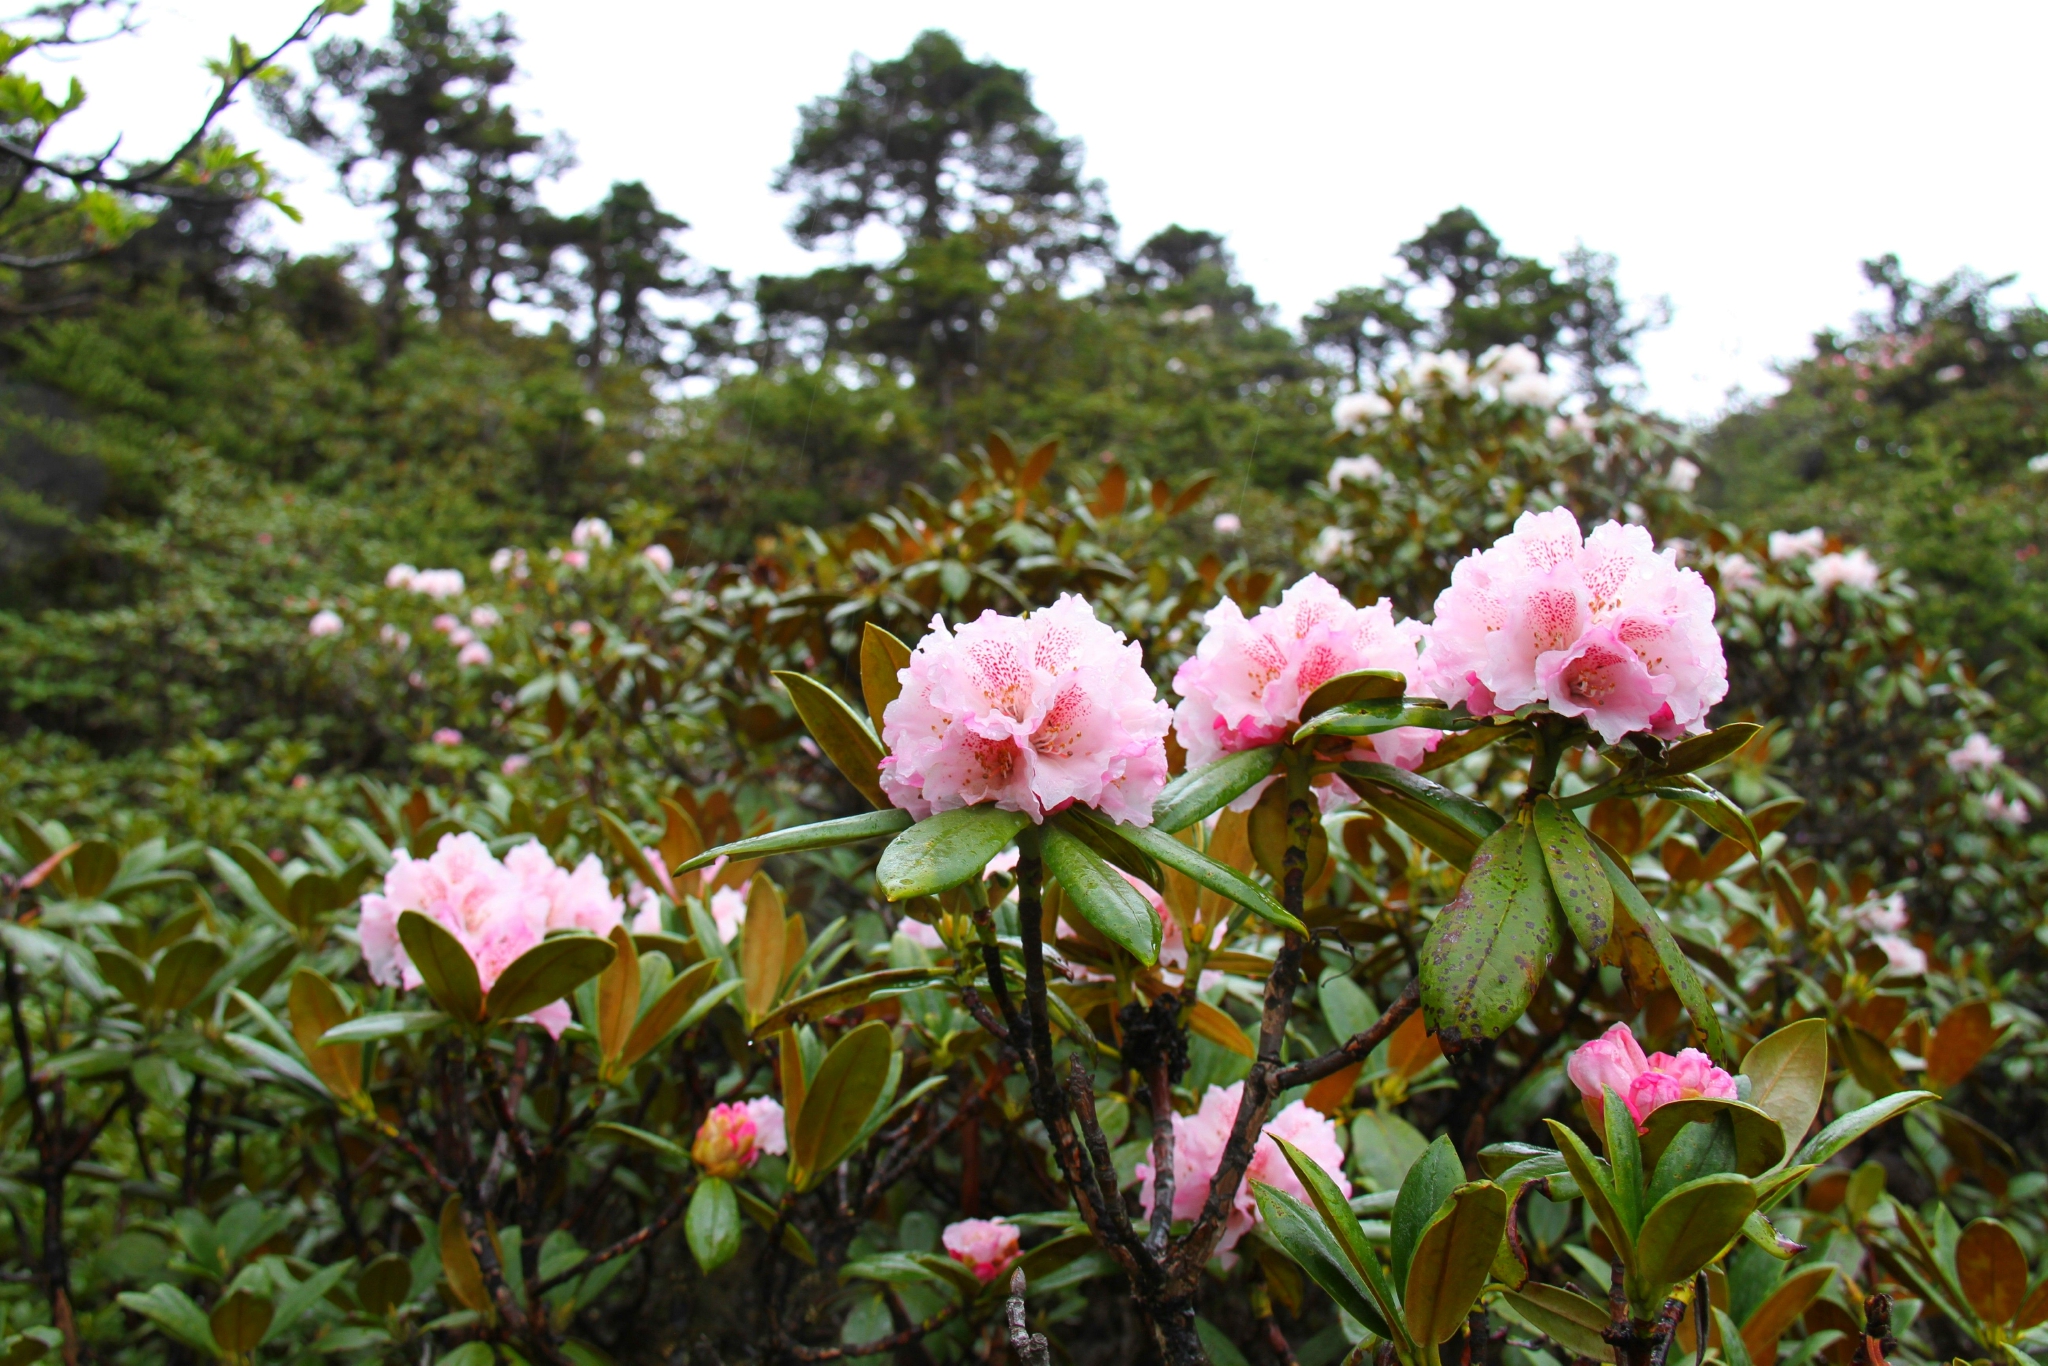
(1740, 159)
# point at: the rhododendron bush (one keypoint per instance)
(1005, 910)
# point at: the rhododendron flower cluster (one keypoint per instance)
(1356, 412)
(592, 533)
(1975, 754)
(984, 1246)
(1797, 545)
(734, 1136)
(496, 910)
(660, 556)
(509, 561)
(1615, 1061)
(2007, 810)
(1247, 681)
(325, 622)
(1031, 713)
(1602, 627)
(431, 583)
(1854, 569)
(1198, 1142)
(1362, 469)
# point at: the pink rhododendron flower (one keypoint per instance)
(1887, 915)
(447, 622)
(579, 900)
(484, 618)
(515, 764)
(474, 655)
(1902, 955)
(1798, 545)
(1248, 679)
(395, 638)
(1976, 752)
(592, 533)
(1227, 524)
(1854, 570)
(923, 935)
(645, 904)
(728, 908)
(1362, 469)
(660, 556)
(770, 1133)
(399, 576)
(435, 583)
(489, 908)
(1615, 1061)
(1198, 1142)
(509, 561)
(447, 735)
(325, 622)
(1738, 574)
(2007, 811)
(1356, 412)
(1602, 627)
(1031, 713)
(984, 1246)
(727, 1142)
(574, 559)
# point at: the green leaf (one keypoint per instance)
(1697, 1149)
(1296, 1230)
(1572, 1321)
(1101, 896)
(868, 825)
(385, 1284)
(301, 1297)
(945, 850)
(1857, 1123)
(1788, 1074)
(1596, 1184)
(1199, 868)
(1711, 748)
(670, 1009)
(1348, 724)
(1424, 1190)
(639, 1138)
(851, 991)
(183, 972)
(546, 973)
(1625, 1164)
(883, 658)
(1686, 1230)
(713, 1224)
(1201, 792)
(1488, 949)
(263, 875)
(443, 964)
(763, 1213)
(840, 732)
(386, 1025)
(838, 1102)
(1449, 825)
(1759, 1142)
(1576, 877)
(1333, 1212)
(1361, 685)
(172, 1310)
(1451, 1260)
(1684, 981)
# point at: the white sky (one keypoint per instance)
(1739, 158)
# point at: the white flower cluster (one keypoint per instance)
(431, 583)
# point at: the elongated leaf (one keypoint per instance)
(712, 1224)
(1684, 981)
(869, 825)
(443, 964)
(459, 1265)
(240, 1320)
(1374, 721)
(316, 1007)
(1204, 871)
(1781, 1309)
(1759, 1139)
(852, 991)
(1788, 1074)
(1099, 894)
(1449, 825)
(1218, 1028)
(1488, 949)
(630, 851)
(1300, 1234)
(1201, 792)
(1572, 1321)
(883, 658)
(1711, 748)
(183, 972)
(1107, 839)
(836, 1107)
(386, 1025)
(1451, 1260)
(763, 1213)
(668, 1010)
(1687, 1229)
(618, 995)
(1362, 685)
(639, 1138)
(546, 973)
(1992, 1270)
(292, 1307)
(1333, 1212)
(1424, 1190)
(1596, 1184)
(945, 850)
(1857, 1123)
(172, 1310)
(764, 944)
(840, 732)
(1576, 877)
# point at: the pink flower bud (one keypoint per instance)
(985, 1246)
(726, 1142)
(1615, 1062)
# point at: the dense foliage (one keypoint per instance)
(380, 678)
